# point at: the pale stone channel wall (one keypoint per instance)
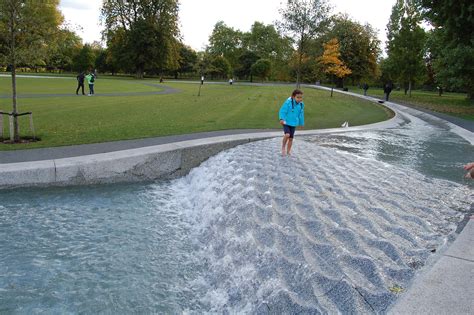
(164, 161)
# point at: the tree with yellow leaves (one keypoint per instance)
(331, 63)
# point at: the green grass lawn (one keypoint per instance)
(67, 120)
(455, 104)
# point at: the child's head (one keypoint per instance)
(297, 95)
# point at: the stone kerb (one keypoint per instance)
(149, 163)
(164, 161)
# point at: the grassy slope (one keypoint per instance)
(455, 104)
(80, 119)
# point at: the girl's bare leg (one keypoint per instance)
(283, 145)
(290, 144)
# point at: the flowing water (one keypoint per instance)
(337, 227)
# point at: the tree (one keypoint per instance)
(303, 20)
(245, 62)
(142, 34)
(406, 43)
(358, 45)
(453, 52)
(262, 68)
(331, 62)
(225, 41)
(62, 47)
(85, 59)
(265, 42)
(219, 66)
(25, 28)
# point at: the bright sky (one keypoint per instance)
(198, 17)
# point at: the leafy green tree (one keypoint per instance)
(266, 42)
(225, 41)
(25, 29)
(245, 62)
(61, 49)
(303, 20)
(262, 68)
(142, 34)
(452, 48)
(85, 59)
(219, 67)
(406, 43)
(188, 59)
(203, 64)
(358, 45)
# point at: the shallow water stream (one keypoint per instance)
(336, 227)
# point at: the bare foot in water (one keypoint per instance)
(470, 170)
(283, 152)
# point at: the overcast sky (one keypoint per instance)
(198, 17)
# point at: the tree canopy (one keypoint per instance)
(25, 27)
(453, 42)
(143, 34)
(406, 43)
(303, 20)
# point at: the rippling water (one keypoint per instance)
(332, 228)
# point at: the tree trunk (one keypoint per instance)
(16, 129)
(332, 86)
(139, 73)
(409, 88)
(300, 58)
(298, 71)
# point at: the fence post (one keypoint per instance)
(10, 118)
(32, 126)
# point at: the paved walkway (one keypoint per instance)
(104, 147)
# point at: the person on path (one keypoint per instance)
(202, 80)
(387, 90)
(291, 115)
(91, 80)
(80, 83)
(365, 87)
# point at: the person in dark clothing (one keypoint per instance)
(387, 90)
(365, 87)
(80, 83)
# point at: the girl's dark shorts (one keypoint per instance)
(290, 130)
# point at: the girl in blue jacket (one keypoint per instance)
(291, 115)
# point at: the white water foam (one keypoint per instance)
(320, 231)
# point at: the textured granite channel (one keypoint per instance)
(318, 232)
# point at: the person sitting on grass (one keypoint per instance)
(291, 115)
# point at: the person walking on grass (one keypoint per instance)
(80, 82)
(291, 115)
(91, 80)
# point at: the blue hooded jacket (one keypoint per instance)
(292, 113)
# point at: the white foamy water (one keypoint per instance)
(320, 231)
(331, 229)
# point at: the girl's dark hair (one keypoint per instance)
(296, 92)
